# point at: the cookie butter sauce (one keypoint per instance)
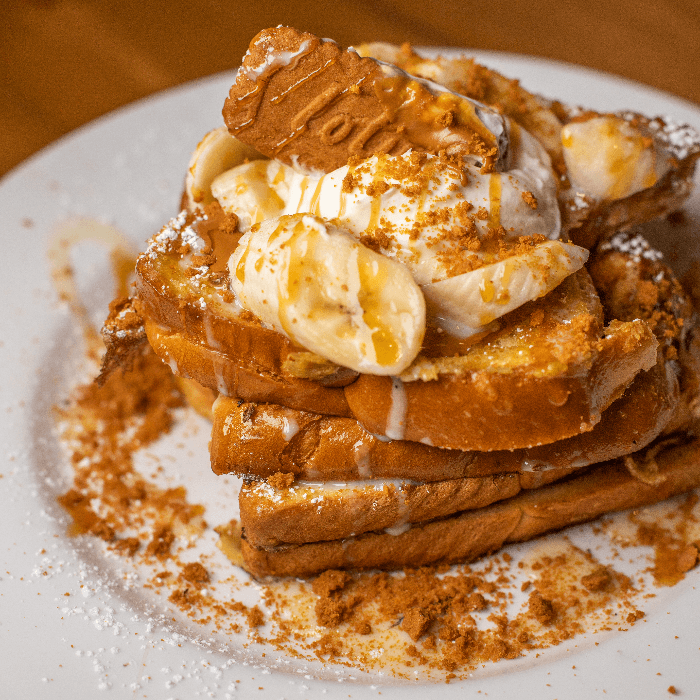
(164, 523)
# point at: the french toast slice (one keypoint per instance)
(193, 324)
(274, 514)
(218, 371)
(259, 440)
(466, 536)
(552, 353)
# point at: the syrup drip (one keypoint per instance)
(372, 277)
(314, 205)
(288, 294)
(495, 200)
(60, 246)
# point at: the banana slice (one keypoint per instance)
(319, 286)
(215, 153)
(464, 304)
(609, 158)
(254, 191)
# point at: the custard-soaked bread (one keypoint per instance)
(260, 440)
(219, 371)
(194, 325)
(604, 489)
(273, 514)
(552, 354)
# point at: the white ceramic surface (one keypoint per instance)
(126, 170)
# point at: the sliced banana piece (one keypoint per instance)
(463, 305)
(319, 286)
(255, 191)
(215, 153)
(609, 158)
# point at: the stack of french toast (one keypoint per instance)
(420, 300)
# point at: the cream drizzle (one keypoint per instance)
(221, 385)
(290, 428)
(396, 530)
(360, 451)
(375, 484)
(396, 418)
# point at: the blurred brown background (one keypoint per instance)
(65, 62)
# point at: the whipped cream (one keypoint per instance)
(478, 244)
(416, 208)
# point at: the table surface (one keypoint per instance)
(66, 62)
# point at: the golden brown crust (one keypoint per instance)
(467, 536)
(635, 283)
(304, 513)
(489, 410)
(220, 372)
(261, 440)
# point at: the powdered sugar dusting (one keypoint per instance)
(681, 140)
(633, 244)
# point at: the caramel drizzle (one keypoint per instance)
(290, 285)
(374, 212)
(314, 204)
(240, 267)
(221, 244)
(419, 111)
(303, 187)
(342, 204)
(343, 195)
(495, 200)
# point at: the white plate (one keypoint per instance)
(127, 170)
